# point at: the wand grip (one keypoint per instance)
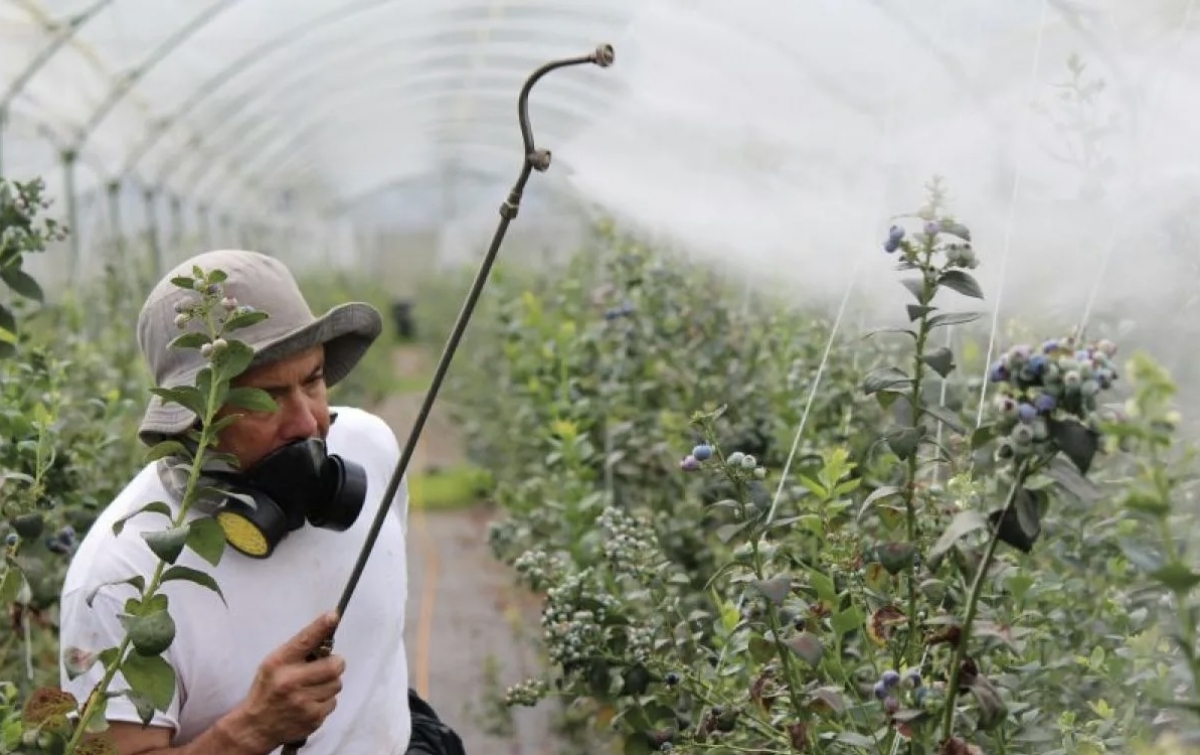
(324, 650)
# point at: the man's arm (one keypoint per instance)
(230, 735)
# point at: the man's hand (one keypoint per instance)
(291, 697)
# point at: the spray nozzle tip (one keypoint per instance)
(603, 56)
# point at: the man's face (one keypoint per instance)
(297, 384)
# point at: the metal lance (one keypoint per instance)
(535, 159)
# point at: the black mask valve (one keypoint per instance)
(290, 486)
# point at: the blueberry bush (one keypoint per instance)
(69, 412)
(753, 534)
(751, 529)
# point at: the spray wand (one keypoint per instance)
(535, 159)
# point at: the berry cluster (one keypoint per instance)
(630, 545)
(538, 568)
(61, 542)
(890, 682)
(1058, 380)
(574, 616)
(958, 252)
(735, 461)
(526, 693)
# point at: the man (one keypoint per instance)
(243, 684)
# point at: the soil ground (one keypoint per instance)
(468, 626)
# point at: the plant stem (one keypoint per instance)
(928, 289)
(1187, 626)
(100, 690)
(964, 636)
(785, 656)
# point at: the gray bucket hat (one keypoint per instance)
(266, 284)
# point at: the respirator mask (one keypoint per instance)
(297, 483)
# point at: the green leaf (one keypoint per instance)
(915, 286)
(152, 633)
(964, 523)
(22, 283)
(883, 378)
(207, 539)
(824, 585)
(188, 574)
(151, 678)
(903, 441)
(167, 448)
(983, 435)
(953, 318)
(1176, 576)
(217, 276)
(1022, 522)
(808, 647)
(186, 396)
(254, 399)
(727, 532)
(10, 584)
(244, 320)
(1077, 442)
(29, 526)
(962, 282)
(991, 707)
(8, 321)
(895, 557)
(233, 360)
(940, 360)
(182, 281)
(774, 590)
(1147, 502)
(156, 507)
(917, 311)
(167, 544)
(880, 331)
(945, 416)
(190, 340)
(844, 622)
(137, 581)
(637, 743)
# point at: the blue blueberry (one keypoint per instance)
(998, 373)
(1026, 412)
(1045, 403)
(890, 678)
(881, 690)
(895, 235)
(11, 539)
(702, 452)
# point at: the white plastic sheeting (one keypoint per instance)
(781, 135)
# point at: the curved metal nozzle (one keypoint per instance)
(603, 56)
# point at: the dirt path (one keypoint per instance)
(467, 625)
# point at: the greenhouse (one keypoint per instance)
(553, 377)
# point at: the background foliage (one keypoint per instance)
(748, 530)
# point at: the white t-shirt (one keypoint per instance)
(217, 648)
